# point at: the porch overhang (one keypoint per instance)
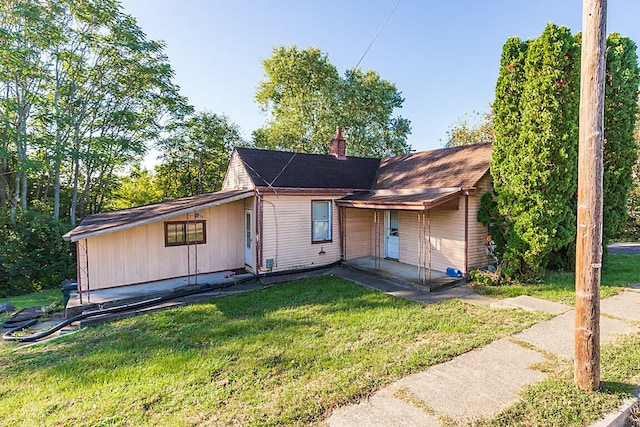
(411, 200)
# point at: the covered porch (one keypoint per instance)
(424, 232)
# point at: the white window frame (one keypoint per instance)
(329, 237)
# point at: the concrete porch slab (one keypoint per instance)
(403, 273)
(130, 293)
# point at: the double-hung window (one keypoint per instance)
(177, 233)
(320, 221)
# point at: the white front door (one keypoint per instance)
(392, 234)
(248, 237)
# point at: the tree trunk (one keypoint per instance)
(57, 153)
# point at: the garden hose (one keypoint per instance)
(8, 336)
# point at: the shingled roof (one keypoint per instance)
(281, 169)
(443, 168)
(424, 180)
(108, 222)
(413, 181)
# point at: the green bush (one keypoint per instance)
(631, 231)
(33, 255)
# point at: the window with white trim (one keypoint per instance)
(320, 221)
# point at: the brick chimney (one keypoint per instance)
(338, 146)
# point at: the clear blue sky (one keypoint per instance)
(442, 55)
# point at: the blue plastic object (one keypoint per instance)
(454, 272)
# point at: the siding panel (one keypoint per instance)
(286, 234)
(138, 254)
(359, 233)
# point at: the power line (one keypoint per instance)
(378, 33)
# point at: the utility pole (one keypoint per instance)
(590, 171)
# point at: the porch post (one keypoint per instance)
(429, 245)
(376, 238)
(466, 234)
(342, 226)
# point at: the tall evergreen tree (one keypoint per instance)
(537, 166)
(534, 163)
(507, 118)
(620, 119)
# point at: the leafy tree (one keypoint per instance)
(196, 154)
(620, 120)
(26, 31)
(137, 189)
(306, 99)
(33, 256)
(535, 177)
(476, 128)
(366, 111)
(82, 91)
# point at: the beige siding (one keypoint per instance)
(447, 238)
(359, 233)
(138, 254)
(477, 231)
(286, 235)
(236, 177)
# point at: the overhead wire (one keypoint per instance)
(378, 33)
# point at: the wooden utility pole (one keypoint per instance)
(590, 170)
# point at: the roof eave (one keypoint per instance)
(302, 190)
(381, 205)
(71, 237)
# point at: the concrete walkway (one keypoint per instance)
(483, 382)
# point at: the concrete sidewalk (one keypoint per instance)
(483, 382)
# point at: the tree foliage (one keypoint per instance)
(534, 162)
(535, 165)
(306, 99)
(620, 120)
(138, 188)
(474, 128)
(196, 154)
(82, 90)
(32, 254)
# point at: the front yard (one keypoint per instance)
(286, 355)
(289, 355)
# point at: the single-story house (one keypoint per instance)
(284, 211)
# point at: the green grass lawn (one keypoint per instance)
(47, 298)
(619, 271)
(286, 355)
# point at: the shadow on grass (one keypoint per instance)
(282, 313)
(624, 389)
(618, 272)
